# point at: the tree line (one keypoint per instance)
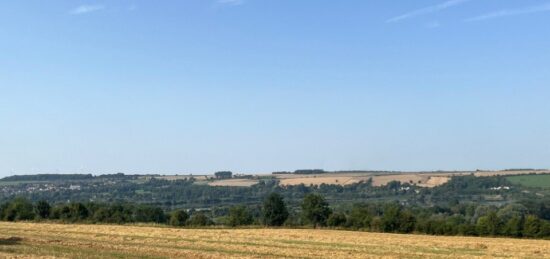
(512, 220)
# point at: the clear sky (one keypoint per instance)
(259, 86)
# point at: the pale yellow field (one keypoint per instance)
(198, 178)
(234, 182)
(31, 240)
(422, 179)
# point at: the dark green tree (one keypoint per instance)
(42, 209)
(407, 221)
(489, 225)
(274, 210)
(336, 219)
(315, 210)
(19, 209)
(78, 211)
(514, 227)
(144, 213)
(199, 219)
(359, 217)
(390, 217)
(178, 218)
(531, 227)
(239, 215)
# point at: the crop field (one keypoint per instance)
(541, 181)
(423, 179)
(234, 182)
(28, 240)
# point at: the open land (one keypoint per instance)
(538, 181)
(423, 179)
(26, 240)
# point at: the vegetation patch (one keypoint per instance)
(531, 180)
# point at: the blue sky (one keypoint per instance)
(259, 86)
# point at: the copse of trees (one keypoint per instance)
(310, 171)
(17, 210)
(223, 174)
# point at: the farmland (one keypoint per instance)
(422, 179)
(538, 181)
(379, 178)
(106, 241)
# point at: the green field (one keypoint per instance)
(539, 181)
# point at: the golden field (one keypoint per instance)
(34, 240)
(423, 179)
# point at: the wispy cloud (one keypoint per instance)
(83, 9)
(427, 10)
(511, 12)
(230, 2)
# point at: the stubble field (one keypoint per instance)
(29, 240)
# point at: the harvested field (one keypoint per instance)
(31, 240)
(234, 182)
(320, 179)
(423, 179)
(176, 177)
(435, 181)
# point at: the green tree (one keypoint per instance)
(239, 215)
(42, 209)
(531, 227)
(78, 211)
(315, 209)
(512, 210)
(61, 212)
(544, 229)
(514, 227)
(489, 224)
(144, 213)
(19, 209)
(178, 218)
(102, 214)
(359, 217)
(482, 226)
(407, 222)
(274, 211)
(390, 217)
(199, 219)
(336, 219)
